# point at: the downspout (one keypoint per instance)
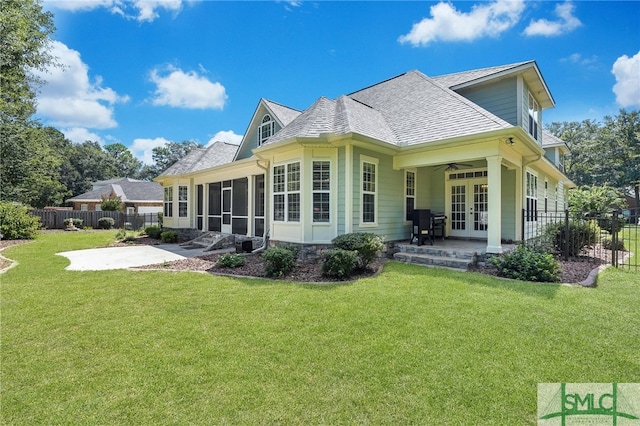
(265, 236)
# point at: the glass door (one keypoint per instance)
(468, 208)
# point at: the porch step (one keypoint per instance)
(457, 258)
(211, 241)
(431, 260)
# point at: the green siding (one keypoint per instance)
(499, 98)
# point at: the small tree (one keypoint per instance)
(111, 203)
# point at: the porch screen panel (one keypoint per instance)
(258, 203)
(240, 206)
(215, 207)
(226, 202)
(459, 207)
(199, 206)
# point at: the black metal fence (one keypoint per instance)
(611, 238)
(54, 219)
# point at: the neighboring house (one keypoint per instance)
(138, 197)
(468, 144)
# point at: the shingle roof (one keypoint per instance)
(284, 114)
(217, 154)
(127, 189)
(451, 80)
(551, 140)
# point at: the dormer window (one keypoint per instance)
(266, 129)
(534, 117)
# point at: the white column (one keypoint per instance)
(494, 171)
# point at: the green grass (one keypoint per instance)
(410, 346)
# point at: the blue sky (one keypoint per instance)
(144, 72)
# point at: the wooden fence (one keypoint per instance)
(54, 219)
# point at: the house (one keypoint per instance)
(469, 145)
(138, 197)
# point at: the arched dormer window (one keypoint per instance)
(266, 129)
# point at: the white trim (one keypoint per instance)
(415, 191)
(348, 189)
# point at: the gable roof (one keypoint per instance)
(216, 154)
(130, 190)
(528, 69)
(283, 114)
(408, 109)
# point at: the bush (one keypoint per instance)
(279, 261)
(339, 263)
(231, 260)
(169, 237)
(121, 235)
(366, 244)
(16, 223)
(607, 243)
(73, 220)
(154, 232)
(106, 222)
(582, 234)
(527, 264)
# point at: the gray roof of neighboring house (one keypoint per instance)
(217, 154)
(127, 189)
(408, 109)
(451, 80)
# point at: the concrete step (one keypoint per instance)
(438, 251)
(434, 260)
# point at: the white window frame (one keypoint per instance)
(266, 129)
(371, 189)
(183, 201)
(409, 191)
(168, 201)
(289, 190)
(321, 188)
(531, 193)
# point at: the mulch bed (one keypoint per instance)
(573, 271)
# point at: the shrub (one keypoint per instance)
(366, 244)
(582, 234)
(153, 232)
(112, 202)
(121, 235)
(279, 261)
(169, 237)
(16, 222)
(339, 263)
(106, 222)
(231, 260)
(527, 264)
(73, 220)
(607, 243)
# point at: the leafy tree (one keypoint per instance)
(167, 155)
(92, 164)
(112, 203)
(595, 200)
(27, 166)
(125, 164)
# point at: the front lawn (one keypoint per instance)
(409, 346)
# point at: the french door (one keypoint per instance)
(468, 208)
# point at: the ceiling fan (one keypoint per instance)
(450, 167)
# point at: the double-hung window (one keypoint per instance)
(369, 190)
(168, 201)
(321, 188)
(534, 117)
(286, 192)
(532, 197)
(182, 201)
(409, 194)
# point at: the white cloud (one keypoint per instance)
(187, 90)
(70, 99)
(627, 87)
(226, 136)
(140, 10)
(448, 24)
(81, 135)
(143, 148)
(566, 22)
